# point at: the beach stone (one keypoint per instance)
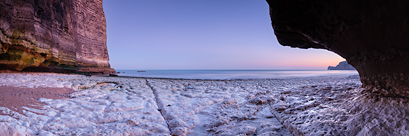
(176, 123)
(245, 129)
(9, 129)
(45, 133)
(179, 131)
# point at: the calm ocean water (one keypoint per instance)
(234, 74)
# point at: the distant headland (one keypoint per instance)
(343, 65)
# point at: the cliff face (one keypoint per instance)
(53, 35)
(371, 35)
(342, 66)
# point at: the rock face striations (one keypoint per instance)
(54, 36)
(371, 35)
(342, 66)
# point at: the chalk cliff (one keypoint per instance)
(343, 65)
(373, 36)
(53, 35)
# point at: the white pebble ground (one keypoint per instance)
(137, 106)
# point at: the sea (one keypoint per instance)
(233, 74)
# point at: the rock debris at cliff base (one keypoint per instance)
(136, 106)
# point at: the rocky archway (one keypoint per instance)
(373, 36)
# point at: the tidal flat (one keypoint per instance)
(321, 105)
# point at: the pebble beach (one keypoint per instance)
(60, 104)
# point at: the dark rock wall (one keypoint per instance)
(373, 36)
(343, 65)
(53, 35)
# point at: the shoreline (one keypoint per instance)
(234, 74)
(153, 106)
(237, 79)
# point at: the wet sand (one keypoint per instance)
(16, 97)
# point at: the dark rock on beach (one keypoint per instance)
(53, 36)
(342, 66)
(371, 35)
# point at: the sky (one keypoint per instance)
(201, 35)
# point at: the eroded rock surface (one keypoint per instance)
(371, 35)
(56, 36)
(197, 107)
(100, 106)
(324, 105)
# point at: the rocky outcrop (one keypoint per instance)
(343, 65)
(371, 35)
(53, 35)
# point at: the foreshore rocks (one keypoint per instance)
(371, 35)
(308, 106)
(53, 36)
(342, 66)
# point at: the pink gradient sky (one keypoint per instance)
(199, 35)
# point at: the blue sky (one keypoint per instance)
(201, 34)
